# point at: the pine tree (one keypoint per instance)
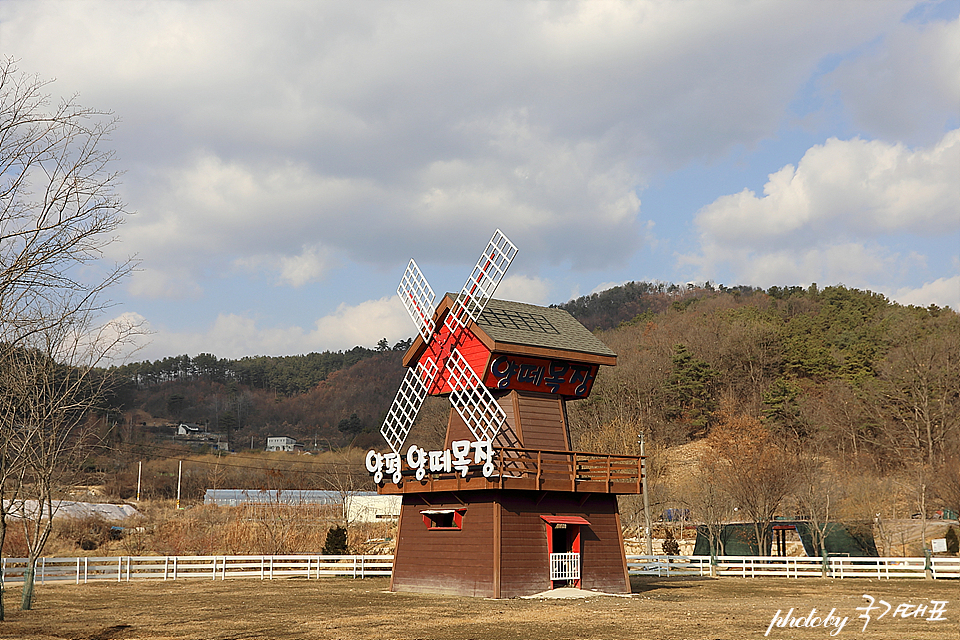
(953, 543)
(336, 542)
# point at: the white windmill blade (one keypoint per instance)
(472, 400)
(483, 281)
(417, 297)
(406, 406)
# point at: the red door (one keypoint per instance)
(563, 537)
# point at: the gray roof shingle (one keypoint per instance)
(546, 327)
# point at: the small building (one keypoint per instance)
(184, 429)
(370, 507)
(282, 443)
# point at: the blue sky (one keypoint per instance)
(285, 160)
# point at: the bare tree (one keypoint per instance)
(817, 495)
(58, 205)
(344, 473)
(51, 400)
(920, 388)
(709, 502)
(756, 471)
(947, 483)
(59, 211)
(11, 481)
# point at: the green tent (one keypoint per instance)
(740, 539)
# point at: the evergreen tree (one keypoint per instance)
(953, 543)
(336, 542)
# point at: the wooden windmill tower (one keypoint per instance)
(507, 508)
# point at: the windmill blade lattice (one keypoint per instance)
(472, 400)
(417, 296)
(483, 281)
(406, 406)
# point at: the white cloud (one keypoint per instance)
(309, 266)
(234, 335)
(297, 143)
(525, 289)
(814, 222)
(256, 129)
(943, 292)
(843, 186)
(313, 264)
(364, 324)
(164, 281)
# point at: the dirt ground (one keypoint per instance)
(334, 608)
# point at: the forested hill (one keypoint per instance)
(841, 371)
(283, 375)
(840, 368)
(625, 303)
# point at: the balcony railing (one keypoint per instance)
(536, 469)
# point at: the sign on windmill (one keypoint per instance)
(444, 369)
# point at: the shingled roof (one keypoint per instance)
(520, 329)
(516, 323)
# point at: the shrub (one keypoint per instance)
(88, 533)
(953, 543)
(336, 542)
(670, 545)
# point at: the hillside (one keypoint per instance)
(835, 391)
(336, 398)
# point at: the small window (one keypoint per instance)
(443, 518)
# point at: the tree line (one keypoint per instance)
(285, 375)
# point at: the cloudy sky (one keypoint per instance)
(285, 160)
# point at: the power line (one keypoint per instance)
(176, 455)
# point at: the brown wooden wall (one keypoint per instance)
(534, 421)
(542, 421)
(457, 428)
(502, 549)
(444, 561)
(524, 566)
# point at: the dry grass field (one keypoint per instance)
(334, 608)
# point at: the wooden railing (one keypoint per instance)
(582, 471)
(538, 470)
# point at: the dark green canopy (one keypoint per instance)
(851, 539)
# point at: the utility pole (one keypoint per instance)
(139, 473)
(646, 499)
(179, 474)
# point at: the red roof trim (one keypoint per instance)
(565, 520)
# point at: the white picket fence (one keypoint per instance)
(127, 568)
(790, 567)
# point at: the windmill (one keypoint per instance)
(509, 369)
(443, 367)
